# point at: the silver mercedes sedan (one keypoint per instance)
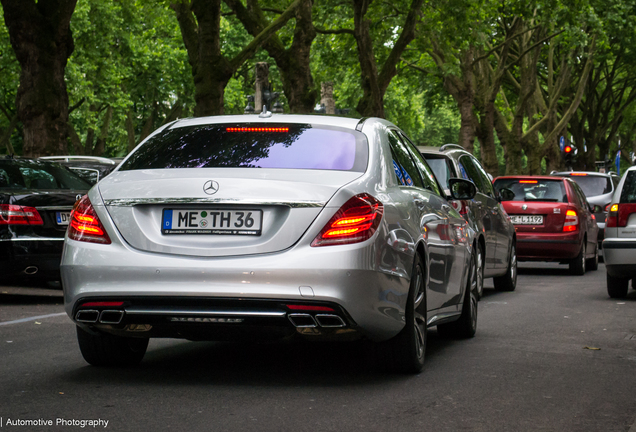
(265, 227)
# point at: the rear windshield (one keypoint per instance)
(628, 194)
(534, 189)
(253, 146)
(441, 169)
(23, 174)
(593, 185)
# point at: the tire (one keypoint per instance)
(617, 287)
(592, 263)
(480, 271)
(466, 326)
(577, 265)
(103, 349)
(406, 351)
(508, 281)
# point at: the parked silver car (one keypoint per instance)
(496, 236)
(270, 226)
(620, 237)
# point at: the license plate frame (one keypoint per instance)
(527, 219)
(211, 221)
(63, 217)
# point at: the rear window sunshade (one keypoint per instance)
(292, 146)
(628, 194)
(593, 185)
(534, 189)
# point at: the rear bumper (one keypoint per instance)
(547, 247)
(30, 259)
(620, 257)
(370, 300)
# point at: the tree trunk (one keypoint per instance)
(202, 38)
(5, 139)
(41, 37)
(100, 146)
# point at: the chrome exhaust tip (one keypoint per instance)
(31, 270)
(87, 316)
(111, 316)
(328, 320)
(302, 320)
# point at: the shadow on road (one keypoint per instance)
(276, 364)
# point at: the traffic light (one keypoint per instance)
(568, 153)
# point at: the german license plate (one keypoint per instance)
(62, 218)
(527, 220)
(212, 221)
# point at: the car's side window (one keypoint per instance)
(472, 172)
(426, 172)
(404, 166)
(485, 181)
(577, 195)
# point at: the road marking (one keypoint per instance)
(32, 318)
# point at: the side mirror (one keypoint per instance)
(461, 189)
(597, 209)
(506, 194)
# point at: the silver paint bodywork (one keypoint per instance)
(369, 280)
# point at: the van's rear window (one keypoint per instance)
(534, 189)
(253, 146)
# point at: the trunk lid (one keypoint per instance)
(163, 210)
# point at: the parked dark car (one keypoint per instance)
(36, 198)
(496, 234)
(553, 220)
(599, 189)
(90, 168)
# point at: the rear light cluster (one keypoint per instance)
(618, 215)
(356, 221)
(571, 221)
(85, 225)
(11, 214)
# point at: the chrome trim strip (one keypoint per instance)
(62, 208)
(441, 317)
(34, 239)
(154, 201)
(132, 311)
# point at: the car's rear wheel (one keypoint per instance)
(406, 351)
(480, 271)
(577, 265)
(466, 325)
(508, 282)
(617, 287)
(592, 263)
(102, 349)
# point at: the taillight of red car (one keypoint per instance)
(85, 224)
(11, 214)
(356, 221)
(571, 221)
(618, 215)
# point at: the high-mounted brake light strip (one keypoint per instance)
(257, 129)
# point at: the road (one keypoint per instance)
(555, 355)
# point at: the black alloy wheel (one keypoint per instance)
(466, 325)
(480, 271)
(577, 264)
(406, 351)
(508, 281)
(592, 263)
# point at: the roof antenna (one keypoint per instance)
(265, 113)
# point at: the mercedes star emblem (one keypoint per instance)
(210, 187)
(524, 207)
(78, 197)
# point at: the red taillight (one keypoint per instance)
(103, 303)
(354, 222)
(619, 214)
(310, 308)
(11, 214)
(528, 181)
(571, 221)
(85, 225)
(612, 216)
(578, 174)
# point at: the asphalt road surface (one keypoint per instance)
(555, 355)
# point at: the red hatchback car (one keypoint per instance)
(553, 220)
